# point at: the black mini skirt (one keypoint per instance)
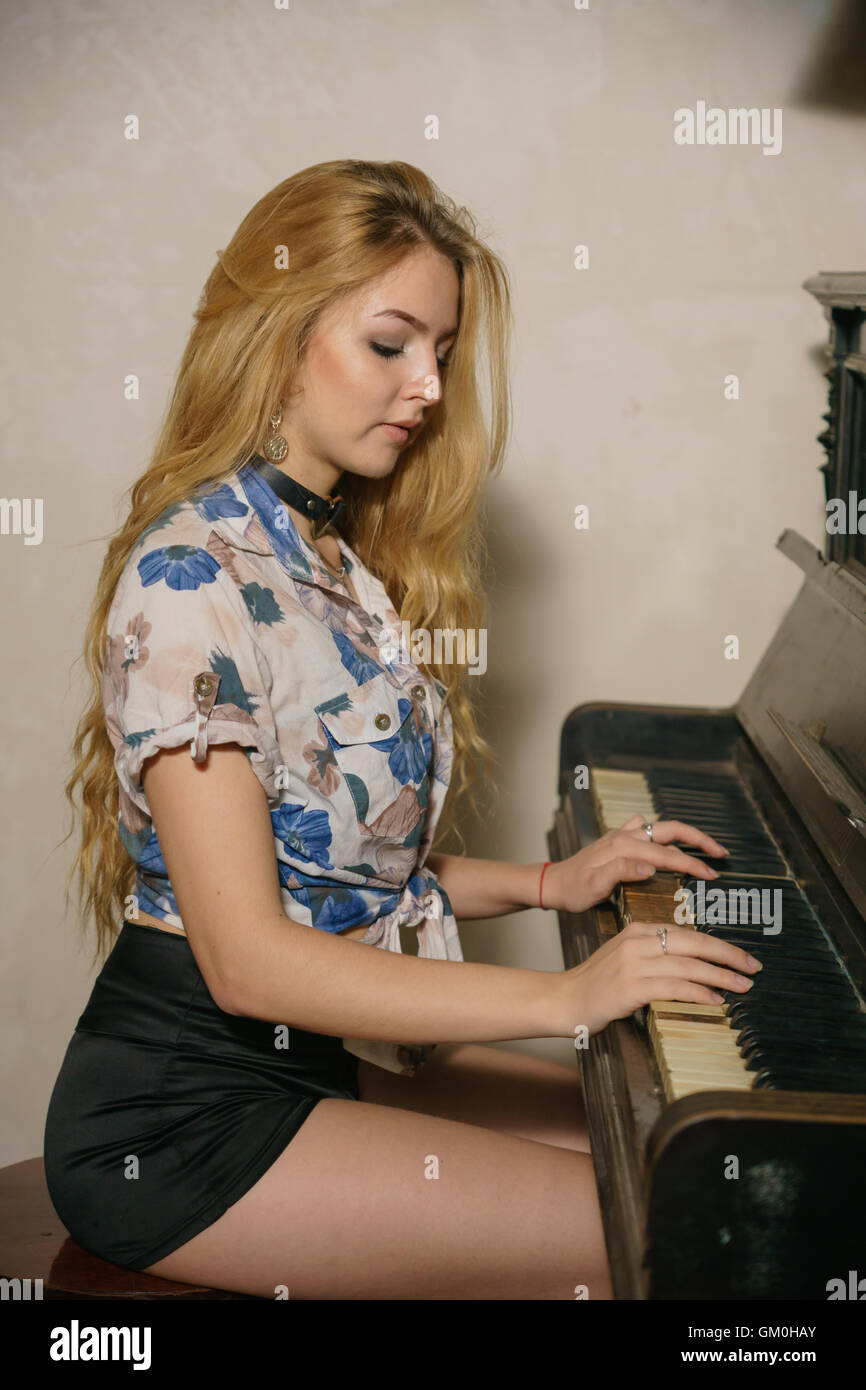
(167, 1110)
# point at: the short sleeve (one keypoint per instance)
(183, 666)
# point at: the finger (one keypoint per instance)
(683, 991)
(685, 941)
(701, 972)
(664, 831)
(665, 857)
(603, 878)
(635, 820)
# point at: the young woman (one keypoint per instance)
(251, 1099)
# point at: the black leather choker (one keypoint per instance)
(323, 511)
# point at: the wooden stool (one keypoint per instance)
(35, 1245)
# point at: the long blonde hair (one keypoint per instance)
(418, 530)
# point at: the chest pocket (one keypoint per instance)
(382, 752)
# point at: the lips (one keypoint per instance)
(398, 433)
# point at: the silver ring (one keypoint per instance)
(663, 933)
(648, 828)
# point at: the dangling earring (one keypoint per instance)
(276, 445)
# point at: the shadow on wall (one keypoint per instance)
(834, 76)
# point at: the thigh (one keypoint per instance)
(482, 1085)
(372, 1202)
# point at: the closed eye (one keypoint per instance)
(384, 351)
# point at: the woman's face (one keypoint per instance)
(368, 365)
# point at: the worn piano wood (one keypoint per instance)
(678, 1225)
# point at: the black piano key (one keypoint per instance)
(796, 915)
(808, 1010)
(789, 942)
(806, 1081)
(730, 814)
(793, 962)
(778, 1063)
(786, 928)
(779, 1057)
(792, 988)
(800, 1061)
(795, 1047)
(792, 1033)
(802, 1025)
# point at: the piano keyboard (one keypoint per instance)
(802, 1026)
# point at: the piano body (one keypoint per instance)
(730, 1142)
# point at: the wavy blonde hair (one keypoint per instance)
(418, 530)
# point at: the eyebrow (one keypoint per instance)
(416, 323)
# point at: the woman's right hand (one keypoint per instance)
(631, 969)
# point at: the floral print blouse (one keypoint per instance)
(226, 627)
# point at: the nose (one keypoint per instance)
(427, 387)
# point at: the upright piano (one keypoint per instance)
(729, 1141)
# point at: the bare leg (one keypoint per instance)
(482, 1085)
(371, 1202)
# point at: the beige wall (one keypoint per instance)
(556, 128)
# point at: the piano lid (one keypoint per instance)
(804, 709)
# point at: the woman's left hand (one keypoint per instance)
(625, 856)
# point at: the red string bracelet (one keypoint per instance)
(541, 880)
